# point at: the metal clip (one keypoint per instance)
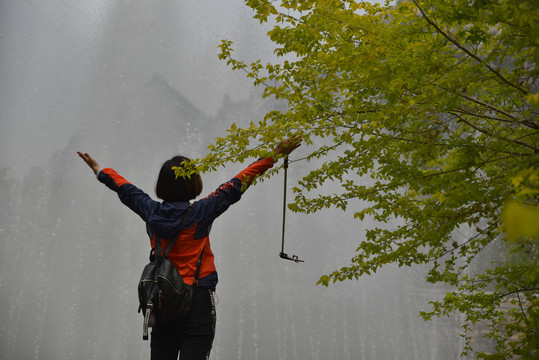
(293, 258)
(146, 322)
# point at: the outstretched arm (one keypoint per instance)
(130, 195)
(216, 203)
(90, 161)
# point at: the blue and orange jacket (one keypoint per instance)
(164, 219)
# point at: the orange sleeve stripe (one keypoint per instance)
(255, 169)
(117, 178)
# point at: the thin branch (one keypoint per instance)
(516, 292)
(522, 309)
(316, 153)
(479, 233)
(468, 52)
(481, 130)
(398, 138)
(392, 186)
(490, 106)
(467, 112)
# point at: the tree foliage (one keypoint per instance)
(436, 102)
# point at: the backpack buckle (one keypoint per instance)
(146, 323)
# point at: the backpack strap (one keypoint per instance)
(171, 244)
(197, 273)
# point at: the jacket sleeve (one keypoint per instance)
(209, 208)
(130, 195)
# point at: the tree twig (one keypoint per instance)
(481, 130)
(468, 52)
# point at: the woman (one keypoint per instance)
(191, 336)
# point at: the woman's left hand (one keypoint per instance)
(90, 161)
(288, 145)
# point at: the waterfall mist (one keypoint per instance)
(134, 83)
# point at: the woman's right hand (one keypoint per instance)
(90, 161)
(288, 145)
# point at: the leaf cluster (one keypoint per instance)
(428, 112)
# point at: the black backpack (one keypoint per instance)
(163, 295)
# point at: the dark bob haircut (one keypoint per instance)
(172, 188)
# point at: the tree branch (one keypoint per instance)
(522, 309)
(516, 292)
(467, 112)
(406, 182)
(481, 130)
(527, 123)
(468, 52)
(492, 107)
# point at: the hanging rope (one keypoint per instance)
(284, 202)
(282, 254)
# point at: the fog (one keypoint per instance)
(134, 83)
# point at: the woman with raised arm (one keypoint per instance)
(190, 336)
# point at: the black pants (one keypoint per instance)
(191, 336)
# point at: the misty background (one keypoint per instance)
(134, 83)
